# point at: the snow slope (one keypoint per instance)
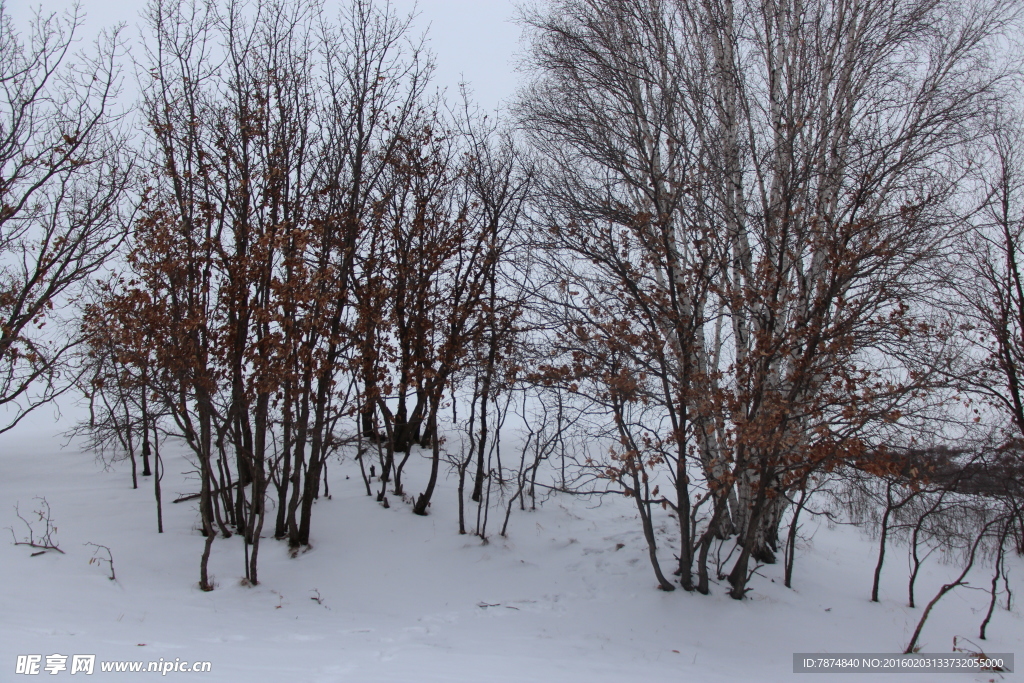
(405, 598)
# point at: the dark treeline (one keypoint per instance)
(739, 262)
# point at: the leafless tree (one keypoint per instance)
(66, 172)
(271, 129)
(996, 527)
(740, 203)
(988, 275)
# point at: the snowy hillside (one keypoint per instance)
(387, 596)
(699, 358)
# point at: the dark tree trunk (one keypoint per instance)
(882, 536)
(146, 452)
(790, 558)
(424, 498)
(652, 544)
(158, 466)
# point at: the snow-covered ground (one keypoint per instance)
(568, 596)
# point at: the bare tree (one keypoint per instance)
(271, 131)
(740, 205)
(66, 170)
(999, 522)
(991, 282)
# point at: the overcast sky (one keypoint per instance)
(472, 39)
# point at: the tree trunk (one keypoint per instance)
(424, 499)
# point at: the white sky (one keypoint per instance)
(472, 39)
(475, 40)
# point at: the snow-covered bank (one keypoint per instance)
(387, 596)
